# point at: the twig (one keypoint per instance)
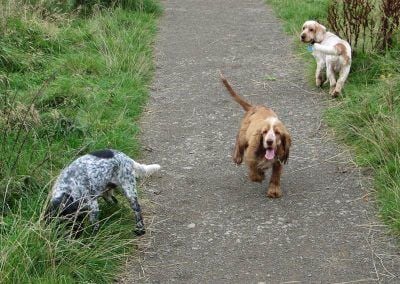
(168, 265)
(316, 164)
(356, 281)
(381, 261)
(37, 95)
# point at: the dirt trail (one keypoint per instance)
(211, 224)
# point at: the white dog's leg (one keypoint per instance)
(319, 73)
(330, 73)
(344, 72)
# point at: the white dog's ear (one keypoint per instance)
(320, 31)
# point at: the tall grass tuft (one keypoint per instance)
(35, 253)
(369, 121)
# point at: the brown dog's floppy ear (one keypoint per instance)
(255, 144)
(320, 31)
(286, 142)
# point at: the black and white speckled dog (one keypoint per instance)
(97, 174)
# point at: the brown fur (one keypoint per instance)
(341, 50)
(250, 142)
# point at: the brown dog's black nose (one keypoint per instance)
(270, 142)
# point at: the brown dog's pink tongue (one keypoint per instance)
(270, 154)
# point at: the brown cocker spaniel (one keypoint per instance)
(262, 141)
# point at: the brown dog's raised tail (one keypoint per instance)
(246, 106)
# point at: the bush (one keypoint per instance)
(366, 25)
(390, 20)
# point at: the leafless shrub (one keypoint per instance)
(390, 20)
(352, 20)
(366, 24)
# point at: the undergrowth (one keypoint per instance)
(367, 116)
(69, 83)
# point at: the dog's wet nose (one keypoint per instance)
(303, 36)
(270, 142)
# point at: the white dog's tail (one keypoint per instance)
(338, 50)
(328, 50)
(145, 170)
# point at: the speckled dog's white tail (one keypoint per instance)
(145, 170)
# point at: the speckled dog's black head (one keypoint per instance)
(64, 205)
(104, 154)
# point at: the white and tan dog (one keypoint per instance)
(330, 52)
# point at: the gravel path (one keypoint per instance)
(210, 223)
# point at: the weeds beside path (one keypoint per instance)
(69, 84)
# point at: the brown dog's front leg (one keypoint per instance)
(255, 174)
(238, 151)
(274, 188)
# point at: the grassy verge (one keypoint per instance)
(69, 84)
(367, 116)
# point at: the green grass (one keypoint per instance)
(69, 84)
(295, 13)
(367, 116)
(33, 253)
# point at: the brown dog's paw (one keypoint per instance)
(274, 191)
(237, 159)
(256, 177)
